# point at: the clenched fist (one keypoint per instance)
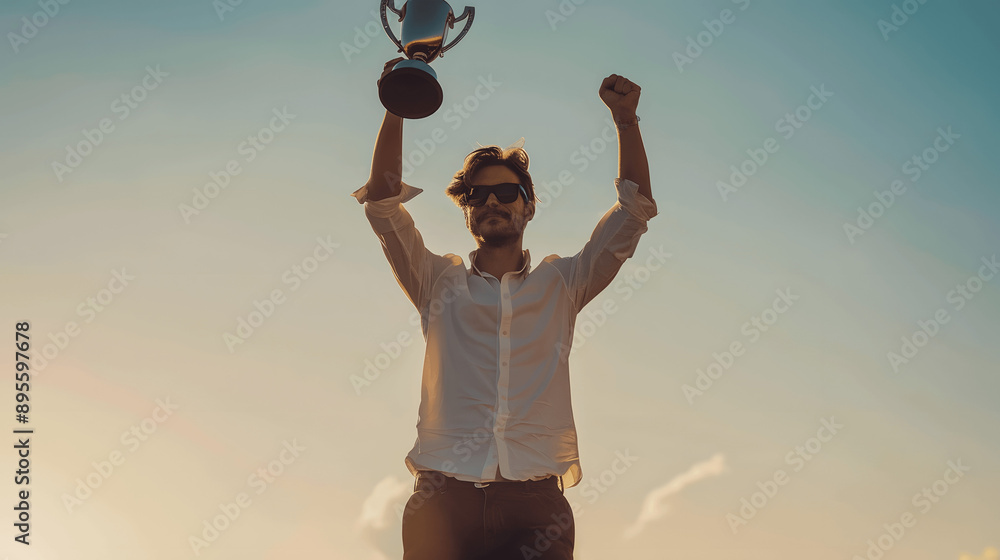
(620, 95)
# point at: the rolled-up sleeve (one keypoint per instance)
(414, 266)
(385, 213)
(614, 239)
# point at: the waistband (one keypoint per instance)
(436, 480)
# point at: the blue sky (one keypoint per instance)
(263, 118)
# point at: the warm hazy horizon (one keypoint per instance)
(800, 360)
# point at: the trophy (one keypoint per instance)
(411, 90)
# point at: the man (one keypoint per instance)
(496, 441)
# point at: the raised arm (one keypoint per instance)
(622, 98)
(415, 267)
(617, 234)
(387, 160)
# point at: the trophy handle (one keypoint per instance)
(391, 4)
(470, 13)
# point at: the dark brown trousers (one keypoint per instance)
(449, 519)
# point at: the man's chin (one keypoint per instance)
(498, 239)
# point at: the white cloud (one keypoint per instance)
(379, 523)
(654, 506)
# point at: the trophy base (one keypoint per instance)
(411, 90)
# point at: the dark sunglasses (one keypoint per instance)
(505, 193)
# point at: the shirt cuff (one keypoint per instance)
(633, 202)
(385, 207)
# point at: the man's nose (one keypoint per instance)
(493, 198)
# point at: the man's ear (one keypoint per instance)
(531, 212)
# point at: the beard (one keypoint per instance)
(501, 231)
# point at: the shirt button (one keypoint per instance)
(504, 332)
(506, 296)
(504, 363)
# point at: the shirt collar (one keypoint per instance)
(523, 271)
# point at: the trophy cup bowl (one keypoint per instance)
(411, 90)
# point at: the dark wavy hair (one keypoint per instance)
(516, 159)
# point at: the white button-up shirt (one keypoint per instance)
(495, 391)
